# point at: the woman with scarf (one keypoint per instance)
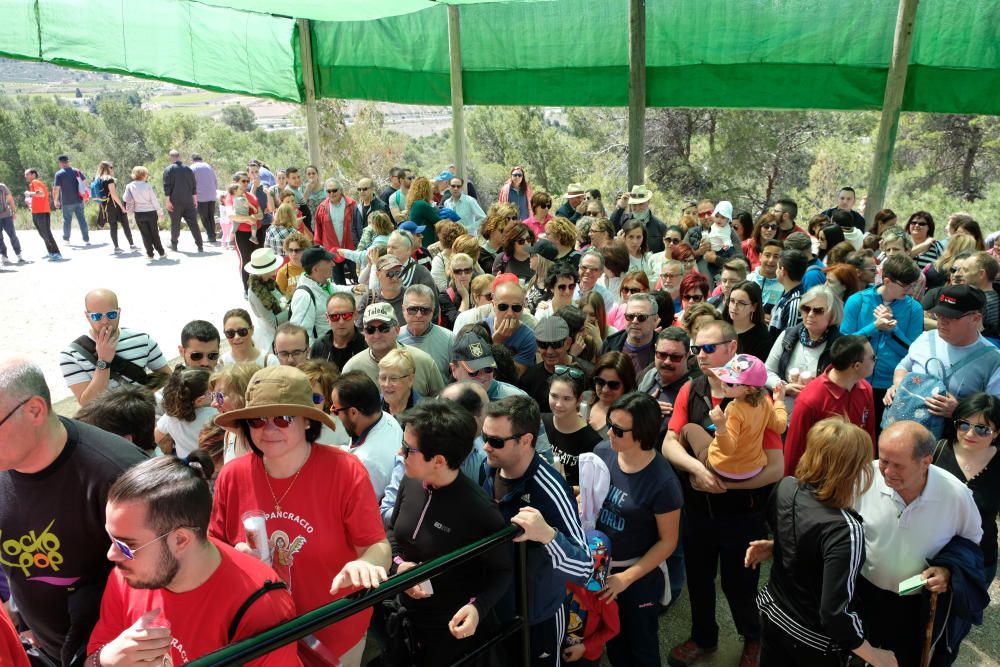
(517, 191)
(268, 304)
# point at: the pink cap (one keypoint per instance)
(743, 369)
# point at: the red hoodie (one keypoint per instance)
(325, 234)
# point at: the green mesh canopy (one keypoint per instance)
(700, 53)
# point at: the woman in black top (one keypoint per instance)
(970, 455)
(515, 258)
(439, 510)
(818, 549)
(745, 311)
(111, 209)
(569, 434)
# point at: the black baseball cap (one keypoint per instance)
(959, 300)
(313, 256)
(545, 248)
(472, 352)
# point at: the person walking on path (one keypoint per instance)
(68, 187)
(112, 210)
(206, 186)
(41, 213)
(7, 208)
(141, 203)
(179, 187)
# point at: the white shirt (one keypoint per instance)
(469, 211)
(720, 238)
(899, 538)
(855, 237)
(185, 434)
(377, 451)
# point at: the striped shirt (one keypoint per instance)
(929, 256)
(133, 346)
(786, 313)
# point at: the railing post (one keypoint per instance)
(636, 92)
(521, 601)
(308, 78)
(457, 94)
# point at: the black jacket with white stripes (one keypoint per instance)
(818, 552)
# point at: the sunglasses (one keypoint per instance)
(516, 175)
(571, 371)
(462, 272)
(217, 397)
(410, 178)
(769, 226)
(705, 214)
(631, 290)
(392, 275)
(279, 421)
(130, 553)
(809, 310)
(696, 298)
(503, 307)
(618, 430)
(981, 430)
(112, 315)
(244, 182)
(497, 442)
(549, 345)
(419, 310)
(361, 189)
(407, 450)
(333, 191)
(545, 206)
(919, 223)
(709, 348)
(293, 250)
(15, 409)
(631, 317)
(489, 370)
(233, 333)
(336, 317)
(613, 385)
(198, 356)
(566, 288)
(522, 241)
(676, 358)
(382, 329)
(486, 295)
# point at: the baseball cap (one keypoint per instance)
(472, 352)
(449, 214)
(313, 256)
(387, 262)
(444, 176)
(545, 248)
(725, 209)
(552, 329)
(63, 158)
(743, 369)
(958, 300)
(381, 312)
(412, 227)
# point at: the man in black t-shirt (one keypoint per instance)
(343, 340)
(54, 478)
(553, 341)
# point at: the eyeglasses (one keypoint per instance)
(462, 272)
(217, 397)
(244, 181)
(499, 442)
(503, 307)
(613, 385)
(810, 310)
(16, 408)
(631, 290)
(112, 315)
(522, 240)
(672, 241)
(709, 348)
(333, 191)
(549, 345)
(198, 356)
(571, 371)
(281, 421)
(676, 358)
(407, 450)
(392, 275)
(293, 250)
(770, 225)
(419, 310)
(361, 189)
(290, 354)
(670, 276)
(317, 398)
(392, 378)
(382, 329)
(410, 178)
(336, 317)
(696, 298)
(631, 317)
(455, 186)
(566, 288)
(981, 430)
(242, 332)
(618, 430)
(919, 223)
(130, 553)
(336, 411)
(905, 286)
(740, 304)
(489, 370)
(486, 295)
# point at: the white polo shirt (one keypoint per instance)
(899, 538)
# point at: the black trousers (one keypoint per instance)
(780, 649)
(43, 223)
(638, 642)
(112, 215)
(206, 211)
(190, 215)
(718, 544)
(547, 640)
(891, 621)
(244, 248)
(146, 221)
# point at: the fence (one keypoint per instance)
(297, 628)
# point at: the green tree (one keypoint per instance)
(238, 117)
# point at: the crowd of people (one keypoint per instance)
(655, 404)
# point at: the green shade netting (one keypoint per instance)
(722, 53)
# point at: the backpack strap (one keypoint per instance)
(312, 299)
(86, 347)
(245, 607)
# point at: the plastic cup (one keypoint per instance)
(793, 375)
(255, 527)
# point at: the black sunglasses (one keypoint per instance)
(709, 348)
(407, 450)
(613, 385)
(571, 371)
(663, 356)
(233, 333)
(382, 328)
(631, 317)
(497, 442)
(419, 310)
(198, 356)
(503, 307)
(334, 191)
(549, 345)
(617, 430)
(807, 310)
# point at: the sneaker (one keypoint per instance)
(21, 260)
(118, 251)
(688, 653)
(5, 261)
(86, 242)
(55, 257)
(133, 247)
(751, 654)
(173, 246)
(201, 249)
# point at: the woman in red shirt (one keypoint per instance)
(246, 214)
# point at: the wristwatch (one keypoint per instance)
(102, 365)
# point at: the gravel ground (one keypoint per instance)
(44, 300)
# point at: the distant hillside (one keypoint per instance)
(29, 71)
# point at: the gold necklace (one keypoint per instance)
(267, 478)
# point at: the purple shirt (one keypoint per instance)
(205, 182)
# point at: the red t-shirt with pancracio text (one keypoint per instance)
(200, 619)
(329, 513)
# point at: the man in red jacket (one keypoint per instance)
(338, 224)
(840, 390)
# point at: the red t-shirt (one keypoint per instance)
(679, 417)
(200, 619)
(823, 398)
(330, 511)
(254, 206)
(11, 652)
(39, 204)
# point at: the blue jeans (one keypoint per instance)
(7, 227)
(68, 210)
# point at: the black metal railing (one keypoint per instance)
(308, 623)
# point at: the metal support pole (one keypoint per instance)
(895, 85)
(636, 91)
(309, 78)
(457, 96)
